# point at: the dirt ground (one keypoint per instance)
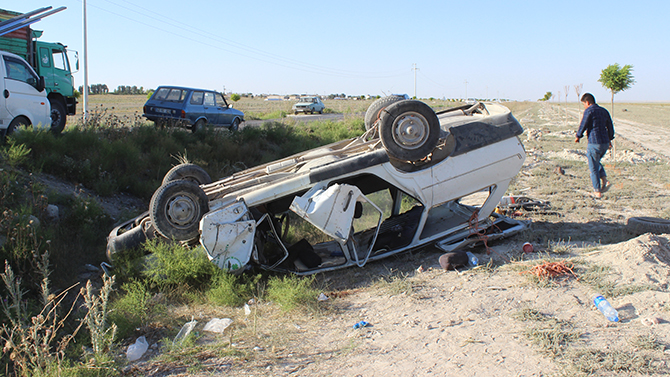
(496, 319)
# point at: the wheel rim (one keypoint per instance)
(410, 130)
(182, 210)
(55, 118)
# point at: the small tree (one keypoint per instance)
(235, 97)
(578, 90)
(547, 96)
(617, 79)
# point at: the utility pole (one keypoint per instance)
(414, 68)
(466, 89)
(85, 105)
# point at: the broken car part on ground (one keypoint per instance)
(414, 178)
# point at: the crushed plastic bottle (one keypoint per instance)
(136, 350)
(604, 306)
(472, 259)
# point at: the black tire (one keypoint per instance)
(641, 225)
(198, 126)
(58, 117)
(321, 111)
(372, 114)
(235, 125)
(16, 124)
(189, 172)
(176, 209)
(409, 130)
(124, 241)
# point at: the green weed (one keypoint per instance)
(291, 292)
(230, 290)
(14, 154)
(171, 264)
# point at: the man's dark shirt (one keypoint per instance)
(597, 124)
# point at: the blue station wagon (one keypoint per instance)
(191, 108)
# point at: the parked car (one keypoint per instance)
(191, 108)
(309, 105)
(24, 101)
(414, 178)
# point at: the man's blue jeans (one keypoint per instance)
(595, 152)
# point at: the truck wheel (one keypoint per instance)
(409, 130)
(372, 114)
(176, 209)
(189, 172)
(236, 125)
(58, 117)
(641, 225)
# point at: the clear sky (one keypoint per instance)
(485, 49)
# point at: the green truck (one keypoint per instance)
(49, 60)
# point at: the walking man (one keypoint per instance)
(597, 124)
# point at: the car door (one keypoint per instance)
(21, 95)
(332, 210)
(225, 115)
(210, 107)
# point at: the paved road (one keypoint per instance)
(302, 118)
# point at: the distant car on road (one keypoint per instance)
(191, 108)
(309, 105)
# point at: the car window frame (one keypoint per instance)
(30, 74)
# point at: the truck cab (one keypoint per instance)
(52, 63)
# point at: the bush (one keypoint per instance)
(174, 265)
(292, 291)
(231, 290)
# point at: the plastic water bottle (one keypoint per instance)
(136, 350)
(472, 259)
(605, 308)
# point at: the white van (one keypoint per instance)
(23, 100)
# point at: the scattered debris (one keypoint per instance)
(551, 269)
(217, 325)
(185, 330)
(323, 297)
(450, 261)
(527, 247)
(137, 349)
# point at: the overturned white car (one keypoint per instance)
(416, 177)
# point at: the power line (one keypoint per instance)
(249, 52)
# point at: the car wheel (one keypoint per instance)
(641, 225)
(17, 124)
(409, 130)
(189, 172)
(198, 126)
(236, 125)
(295, 113)
(58, 117)
(372, 114)
(176, 209)
(321, 111)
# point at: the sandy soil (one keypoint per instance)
(466, 323)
